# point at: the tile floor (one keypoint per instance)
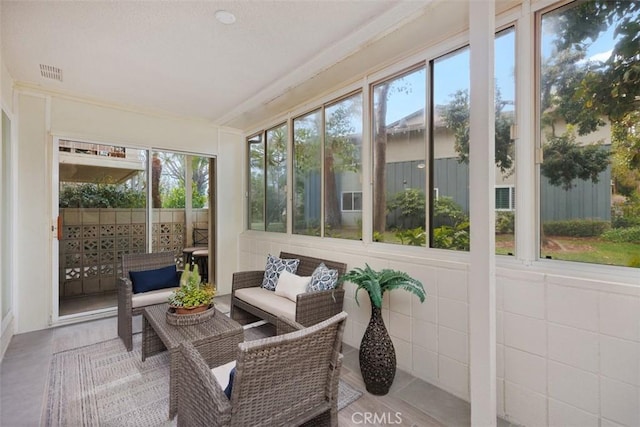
(23, 377)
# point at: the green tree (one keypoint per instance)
(342, 154)
(582, 92)
(175, 198)
(276, 176)
(609, 88)
(565, 160)
(456, 117)
(257, 181)
(625, 140)
(381, 93)
(174, 168)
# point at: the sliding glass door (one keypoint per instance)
(115, 200)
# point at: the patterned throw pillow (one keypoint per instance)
(273, 268)
(323, 278)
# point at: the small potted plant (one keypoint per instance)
(377, 354)
(192, 296)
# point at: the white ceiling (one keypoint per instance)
(175, 57)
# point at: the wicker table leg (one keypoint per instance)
(151, 342)
(174, 363)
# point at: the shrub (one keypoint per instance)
(576, 227)
(622, 235)
(446, 212)
(100, 195)
(457, 238)
(411, 204)
(505, 222)
(413, 237)
(626, 214)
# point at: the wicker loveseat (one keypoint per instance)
(310, 308)
(286, 380)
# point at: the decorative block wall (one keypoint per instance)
(93, 241)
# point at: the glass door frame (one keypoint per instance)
(55, 317)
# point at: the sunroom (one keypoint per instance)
(489, 149)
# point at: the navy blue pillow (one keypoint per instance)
(227, 390)
(150, 280)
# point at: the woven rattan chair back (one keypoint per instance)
(283, 380)
(135, 262)
(144, 262)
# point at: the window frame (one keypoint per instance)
(512, 198)
(353, 194)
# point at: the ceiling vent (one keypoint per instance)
(50, 72)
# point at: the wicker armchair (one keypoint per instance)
(283, 380)
(311, 307)
(126, 306)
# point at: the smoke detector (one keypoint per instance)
(51, 72)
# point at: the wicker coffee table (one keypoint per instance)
(216, 339)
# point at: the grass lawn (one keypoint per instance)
(592, 250)
(579, 249)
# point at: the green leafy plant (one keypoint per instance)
(100, 195)
(622, 235)
(376, 283)
(505, 222)
(413, 237)
(457, 237)
(411, 205)
(447, 212)
(191, 292)
(378, 237)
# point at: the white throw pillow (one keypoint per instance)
(290, 285)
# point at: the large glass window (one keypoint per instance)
(343, 168)
(590, 133)
(256, 183)
(450, 147)
(505, 81)
(327, 164)
(450, 151)
(307, 171)
(399, 153)
(276, 179)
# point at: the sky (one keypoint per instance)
(452, 73)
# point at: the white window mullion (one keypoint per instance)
(526, 229)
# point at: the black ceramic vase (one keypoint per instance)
(377, 356)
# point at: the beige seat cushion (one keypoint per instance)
(222, 373)
(268, 301)
(144, 299)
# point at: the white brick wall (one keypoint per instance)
(568, 351)
(591, 351)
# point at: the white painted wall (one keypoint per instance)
(43, 116)
(6, 104)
